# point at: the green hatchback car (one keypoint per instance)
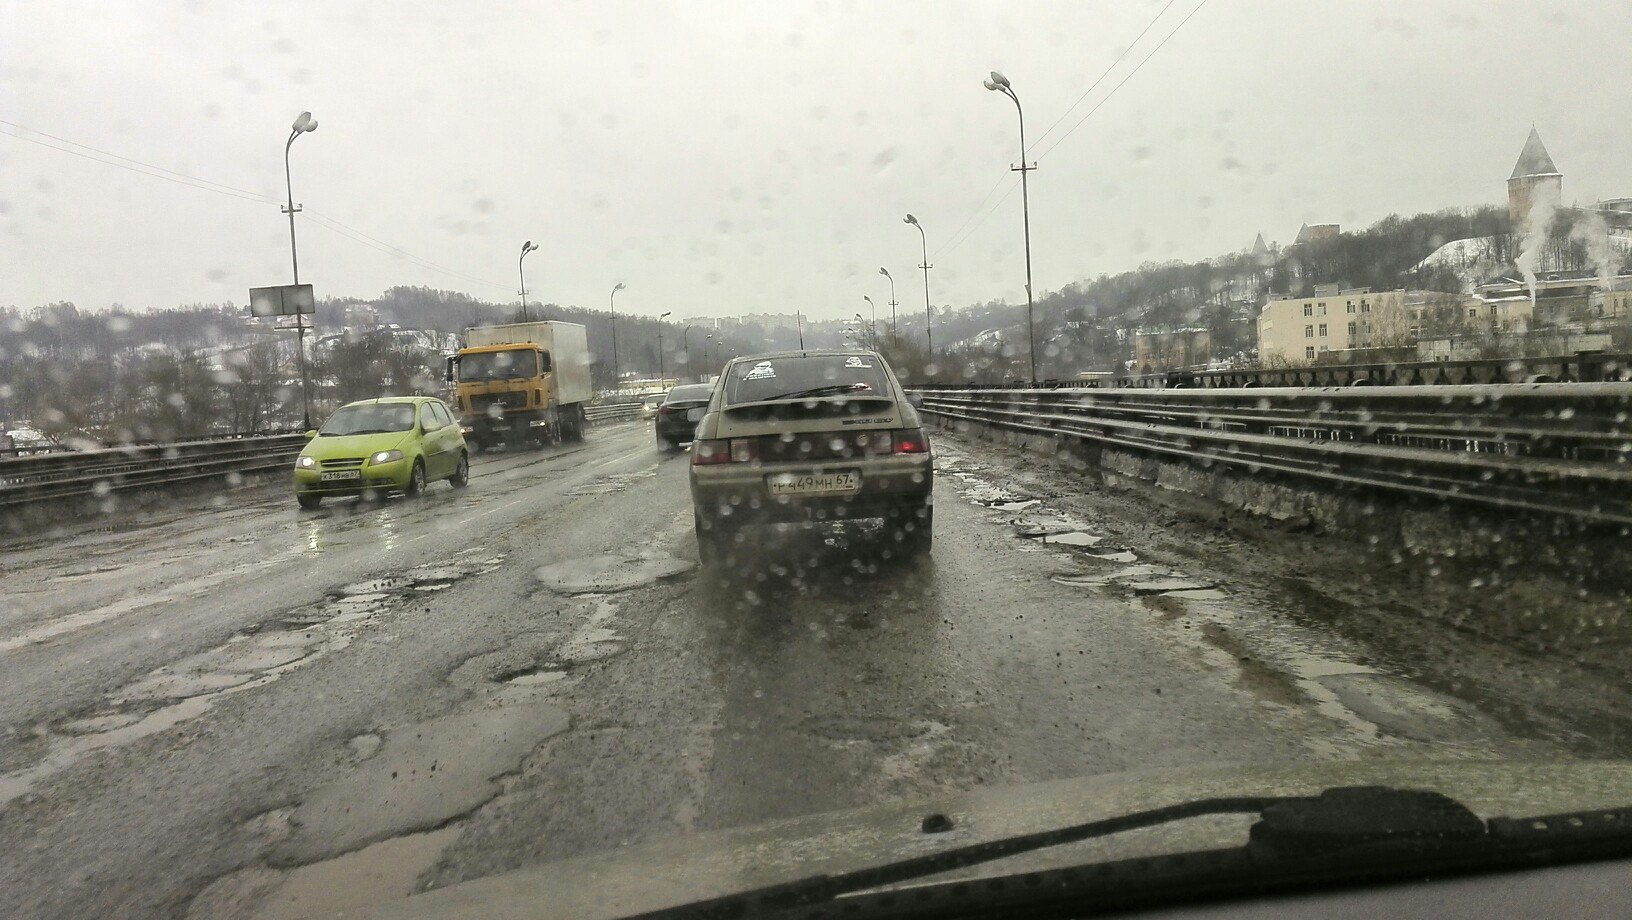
(393, 444)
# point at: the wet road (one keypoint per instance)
(238, 709)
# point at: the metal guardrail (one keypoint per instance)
(1586, 367)
(69, 474)
(93, 473)
(1548, 448)
(611, 413)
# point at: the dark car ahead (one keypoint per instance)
(679, 413)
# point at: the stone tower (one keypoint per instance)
(1534, 176)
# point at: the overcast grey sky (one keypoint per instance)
(723, 158)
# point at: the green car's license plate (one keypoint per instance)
(333, 475)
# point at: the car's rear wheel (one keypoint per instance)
(416, 480)
(308, 500)
(912, 529)
(461, 473)
(713, 541)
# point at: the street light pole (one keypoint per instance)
(526, 247)
(305, 124)
(874, 326)
(1000, 83)
(706, 347)
(685, 349)
(883, 271)
(660, 346)
(612, 299)
(929, 314)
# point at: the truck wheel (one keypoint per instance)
(461, 473)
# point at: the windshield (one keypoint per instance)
(805, 376)
(371, 418)
(498, 365)
(880, 409)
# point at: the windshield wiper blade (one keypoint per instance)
(1346, 834)
(830, 389)
(822, 888)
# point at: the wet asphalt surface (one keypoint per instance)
(233, 708)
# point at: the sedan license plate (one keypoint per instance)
(333, 475)
(813, 483)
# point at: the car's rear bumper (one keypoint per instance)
(678, 431)
(738, 490)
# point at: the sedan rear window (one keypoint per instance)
(805, 377)
(696, 393)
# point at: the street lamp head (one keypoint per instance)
(884, 271)
(866, 298)
(304, 123)
(528, 246)
(999, 80)
(661, 315)
(912, 220)
(618, 286)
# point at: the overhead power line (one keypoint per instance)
(979, 215)
(1124, 80)
(130, 164)
(951, 240)
(1107, 71)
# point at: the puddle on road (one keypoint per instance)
(1073, 538)
(608, 573)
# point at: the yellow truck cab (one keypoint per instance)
(521, 383)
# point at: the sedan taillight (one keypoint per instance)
(910, 441)
(734, 450)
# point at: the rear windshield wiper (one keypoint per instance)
(829, 390)
(1348, 834)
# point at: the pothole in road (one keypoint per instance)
(533, 677)
(353, 883)
(364, 746)
(1140, 580)
(608, 573)
(1031, 528)
(424, 775)
(376, 587)
(864, 729)
(259, 655)
(1074, 538)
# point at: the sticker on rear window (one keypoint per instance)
(855, 362)
(761, 371)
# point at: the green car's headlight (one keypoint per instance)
(385, 456)
(305, 462)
